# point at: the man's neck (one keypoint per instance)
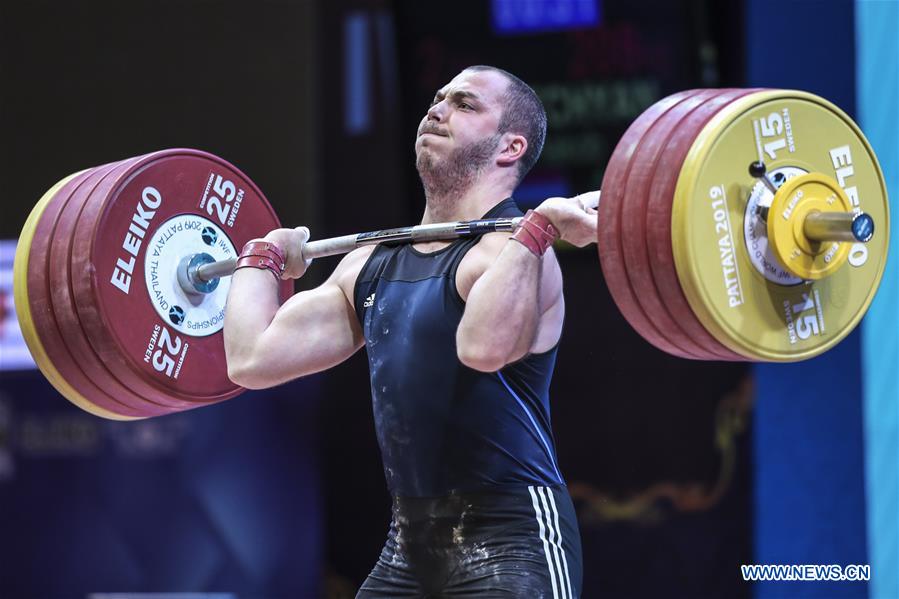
(471, 204)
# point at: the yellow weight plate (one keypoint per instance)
(794, 201)
(738, 289)
(26, 321)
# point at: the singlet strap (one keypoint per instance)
(380, 258)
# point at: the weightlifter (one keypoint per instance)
(461, 338)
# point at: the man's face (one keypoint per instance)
(461, 124)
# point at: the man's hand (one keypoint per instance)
(291, 242)
(575, 218)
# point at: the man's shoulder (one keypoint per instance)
(489, 246)
(479, 258)
(349, 268)
(484, 252)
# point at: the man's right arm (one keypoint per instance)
(267, 344)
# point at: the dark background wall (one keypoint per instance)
(655, 449)
(92, 82)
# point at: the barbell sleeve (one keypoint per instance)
(838, 226)
(333, 246)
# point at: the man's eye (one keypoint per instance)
(465, 105)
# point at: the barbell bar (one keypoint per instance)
(196, 277)
(121, 270)
(195, 274)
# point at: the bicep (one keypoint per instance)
(312, 331)
(550, 305)
(484, 255)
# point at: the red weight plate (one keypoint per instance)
(609, 227)
(128, 241)
(635, 245)
(43, 314)
(658, 217)
(61, 282)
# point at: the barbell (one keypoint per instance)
(735, 224)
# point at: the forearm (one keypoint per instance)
(502, 311)
(252, 304)
(268, 343)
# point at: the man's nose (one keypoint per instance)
(436, 112)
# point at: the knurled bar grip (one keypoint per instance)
(346, 243)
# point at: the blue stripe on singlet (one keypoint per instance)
(552, 457)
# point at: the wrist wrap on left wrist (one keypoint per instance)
(262, 254)
(536, 233)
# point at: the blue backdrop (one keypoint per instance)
(826, 443)
(224, 498)
(809, 447)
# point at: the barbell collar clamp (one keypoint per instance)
(188, 279)
(759, 171)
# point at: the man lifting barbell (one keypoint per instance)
(461, 340)
(120, 287)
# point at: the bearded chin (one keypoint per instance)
(448, 179)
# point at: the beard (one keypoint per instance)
(448, 179)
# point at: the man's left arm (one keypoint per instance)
(514, 304)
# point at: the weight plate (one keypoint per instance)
(35, 312)
(609, 227)
(165, 206)
(660, 227)
(752, 315)
(61, 280)
(644, 163)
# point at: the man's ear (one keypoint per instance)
(512, 149)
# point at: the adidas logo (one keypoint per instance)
(369, 301)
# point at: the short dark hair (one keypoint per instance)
(523, 113)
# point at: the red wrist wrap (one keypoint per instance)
(262, 255)
(536, 233)
(260, 248)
